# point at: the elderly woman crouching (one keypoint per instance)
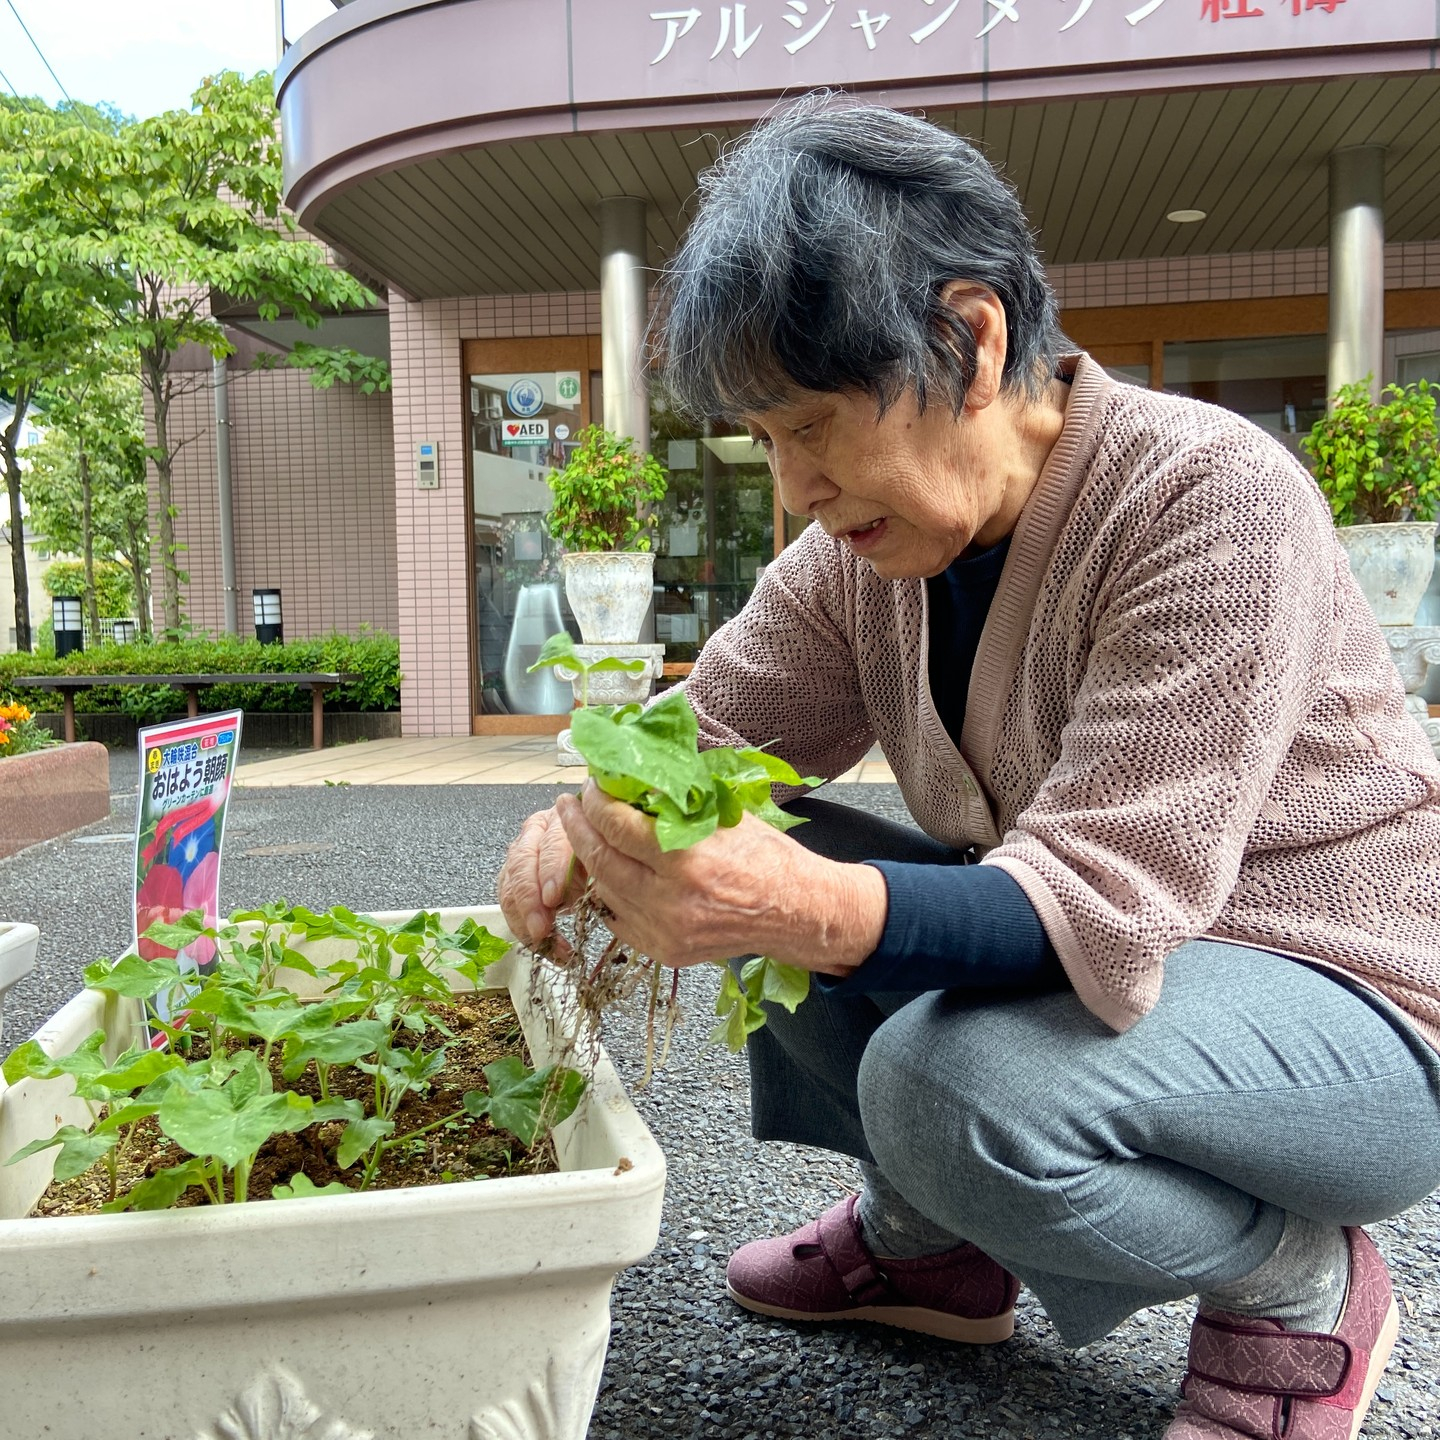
(1178, 1031)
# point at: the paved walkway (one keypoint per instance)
(455, 760)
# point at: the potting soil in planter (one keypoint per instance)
(485, 1029)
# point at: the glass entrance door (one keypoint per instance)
(522, 422)
(526, 400)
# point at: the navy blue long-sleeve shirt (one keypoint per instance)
(956, 926)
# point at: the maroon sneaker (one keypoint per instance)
(1255, 1380)
(824, 1272)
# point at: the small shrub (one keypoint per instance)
(1378, 461)
(372, 655)
(114, 589)
(599, 492)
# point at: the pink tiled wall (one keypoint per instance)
(1230, 277)
(430, 525)
(313, 486)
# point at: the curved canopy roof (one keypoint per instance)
(462, 147)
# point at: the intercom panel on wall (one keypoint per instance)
(427, 465)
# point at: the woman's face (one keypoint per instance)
(908, 491)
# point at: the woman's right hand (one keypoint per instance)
(540, 877)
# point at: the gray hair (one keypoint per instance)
(824, 240)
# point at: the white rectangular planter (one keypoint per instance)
(18, 944)
(473, 1311)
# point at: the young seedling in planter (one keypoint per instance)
(212, 1088)
(649, 756)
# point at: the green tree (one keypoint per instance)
(50, 307)
(1378, 461)
(86, 486)
(328, 365)
(110, 581)
(182, 206)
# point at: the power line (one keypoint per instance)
(8, 85)
(39, 52)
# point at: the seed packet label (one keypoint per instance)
(185, 771)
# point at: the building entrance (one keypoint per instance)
(525, 403)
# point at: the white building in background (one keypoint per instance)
(36, 555)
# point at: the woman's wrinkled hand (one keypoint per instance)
(540, 878)
(747, 889)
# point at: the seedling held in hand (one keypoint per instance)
(649, 757)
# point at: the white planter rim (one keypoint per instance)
(589, 557)
(421, 1238)
(1427, 527)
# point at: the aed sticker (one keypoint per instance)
(525, 432)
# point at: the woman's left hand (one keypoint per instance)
(746, 889)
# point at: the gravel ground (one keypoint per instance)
(683, 1360)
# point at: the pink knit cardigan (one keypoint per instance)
(1182, 720)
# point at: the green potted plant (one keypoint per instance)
(608, 565)
(1378, 463)
(474, 1306)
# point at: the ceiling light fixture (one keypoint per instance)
(1185, 217)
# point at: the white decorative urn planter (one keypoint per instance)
(1392, 565)
(472, 1311)
(609, 591)
(615, 687)
(18, 944)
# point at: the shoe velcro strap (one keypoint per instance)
(863, 1279)
(1270, 1362)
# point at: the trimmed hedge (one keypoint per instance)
(372, 655)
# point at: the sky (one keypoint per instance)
(143, 56)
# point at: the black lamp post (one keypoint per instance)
(269, 628)
(69, 625)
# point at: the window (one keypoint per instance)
(715, 528)
(1410, 368)
(1278, 382)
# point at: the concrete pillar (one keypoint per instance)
(623, 305)
(1357, 266)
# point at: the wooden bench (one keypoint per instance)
(192, 685)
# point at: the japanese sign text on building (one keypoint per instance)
(794, 24)
(722, 50)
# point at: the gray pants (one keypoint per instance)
(1109, 1172)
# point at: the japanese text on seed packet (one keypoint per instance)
(185, 771)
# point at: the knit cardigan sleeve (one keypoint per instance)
(1207, 646)
(782, 673)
